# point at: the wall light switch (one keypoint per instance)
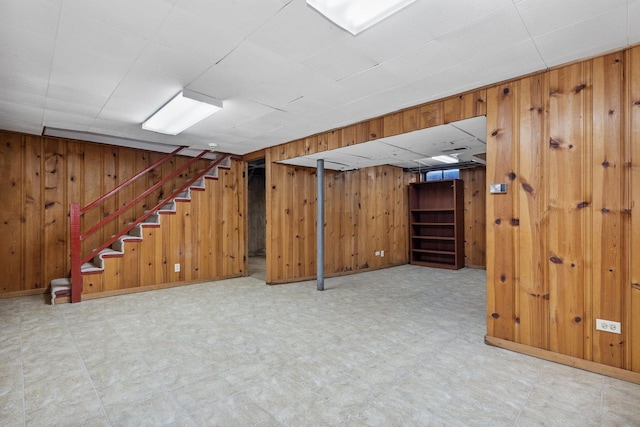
(497, 188)
(176, 268)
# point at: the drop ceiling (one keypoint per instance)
(283, 71)
(463, 140)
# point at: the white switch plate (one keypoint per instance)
(381, 253)
(497, 188)
(377, 253)
(176, 268)
(608, 326)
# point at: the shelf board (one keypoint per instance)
(452, 239)
(433, 210)
(429, 251)
(434, 223)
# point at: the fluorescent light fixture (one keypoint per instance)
(357, 15)
(183, 111)
(445, 159)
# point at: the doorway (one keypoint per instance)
(257, 218)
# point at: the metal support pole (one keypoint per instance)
(320, 225)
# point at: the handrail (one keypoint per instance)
(151, 211)
(130, 180)
(76, 212)
(141, 196)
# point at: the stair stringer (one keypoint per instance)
(100, 264)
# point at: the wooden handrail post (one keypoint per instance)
(76, 253)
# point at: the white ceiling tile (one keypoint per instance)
(18, 43)
(297, 32)
(82, 62)
(148, 86)
(402, 32)
(339, 61)
(80, 30)
(492, 33)
(38, 16)
(141, 17)
(241, 17)
(442, 17)
(374, 80)
(120, 61)
(633, 20)
(79, 109)
(179, 63)
(20, 112)
(543, 16)
(587, 38)
(516, 60)
(59, 119)
(124, 110)
(24, 75)
(29, 127)
(185, 32)
(431, 58)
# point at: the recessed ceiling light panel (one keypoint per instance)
(445, 159)
(356, 16)
(183, 111)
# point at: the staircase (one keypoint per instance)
(94, 262)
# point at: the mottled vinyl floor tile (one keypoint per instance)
(402, 346)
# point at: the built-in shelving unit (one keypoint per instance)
(437, 223)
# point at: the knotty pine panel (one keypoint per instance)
(12, 213)
(475, 195)
(502, 219)
(362, 215)
(32, 247)
(45, 175)
(569, 169)
(632, 107)
(529, 184)
(56, 226)
(609, 293)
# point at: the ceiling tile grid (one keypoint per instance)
(283, 70)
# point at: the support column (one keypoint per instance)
(320, 225)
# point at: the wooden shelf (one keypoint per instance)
(436, 215)
(433, 238)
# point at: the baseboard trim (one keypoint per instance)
(575, 362)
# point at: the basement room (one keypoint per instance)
(320, 212)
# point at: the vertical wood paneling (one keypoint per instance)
(475, 190)
(32, 247)
(56, 256)
(46, 174)
(533, 295)
(609, 292)
(633, 107)
(501, 218)
(92, 176)
(569, 152)
(12, 214)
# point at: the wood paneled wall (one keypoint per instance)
(475, 191)
(365, 210)
(560, 242)
(41, 176)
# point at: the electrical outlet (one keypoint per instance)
(176, 268)
(608, 326)
(381, 253)
(377, 253)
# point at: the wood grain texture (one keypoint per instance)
(46, 174)
(569, 210)
(632, 107)
(609, 293)
(475, 195)
(530, 186)
(501, 233)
